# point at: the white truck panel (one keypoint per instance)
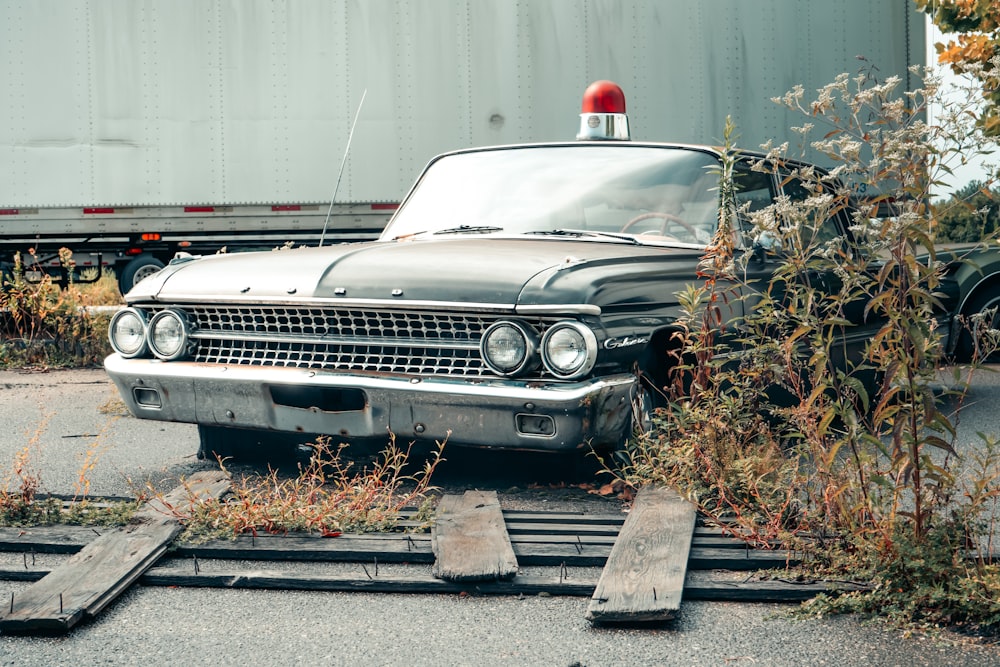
(161, 102)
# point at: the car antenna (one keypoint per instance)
(343, 162)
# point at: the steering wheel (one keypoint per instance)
(667, 219)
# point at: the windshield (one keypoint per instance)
(612, 192)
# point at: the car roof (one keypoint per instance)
(716, 151)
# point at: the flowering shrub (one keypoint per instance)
(855, 464)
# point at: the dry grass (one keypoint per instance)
(21, 501)
(328, 496)
(102, 292)
(48, 325)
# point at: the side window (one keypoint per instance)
(826, 230)
(754, 189)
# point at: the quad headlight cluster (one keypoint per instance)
(166, 334)
(568, 349)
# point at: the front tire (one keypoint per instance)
(968, 346)
(243, 444)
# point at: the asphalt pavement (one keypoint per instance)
(70, 421)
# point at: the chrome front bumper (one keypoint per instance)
(504, 414)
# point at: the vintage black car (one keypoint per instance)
(514, 301)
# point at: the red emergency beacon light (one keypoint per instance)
(602, 115)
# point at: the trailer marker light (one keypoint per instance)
(134, 251)
(97, 211)
(602, 114)
(150, 236)
(199, 209)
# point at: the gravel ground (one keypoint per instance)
(161, 626)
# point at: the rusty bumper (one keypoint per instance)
(503, 414)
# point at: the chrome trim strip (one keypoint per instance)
(388, 304)
(212, 334)
(560, 309)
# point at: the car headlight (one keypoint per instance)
(168, 334)
(127, 332)
(569, 350)
(508, 348)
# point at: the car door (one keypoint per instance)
(830, 234)
(827, 229)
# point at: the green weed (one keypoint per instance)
(778, 440)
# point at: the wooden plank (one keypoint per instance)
(391, 548)
(521, 528)
(89, 580)
(573, 584)
(769, 590)
(413, 583)
(644, 576)
(538, 549)
(469, 539)
(48, 539)
(739, 560)
(546, 516)
(529, 550)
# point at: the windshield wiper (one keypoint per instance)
(462, 229)
(586, 232)
(469, 229)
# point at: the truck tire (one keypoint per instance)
(141, 267)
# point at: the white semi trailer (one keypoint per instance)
(132, 129)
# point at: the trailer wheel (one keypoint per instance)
(141, 267)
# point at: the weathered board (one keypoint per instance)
(48, 539)
(89, 580)
(643, 579)
(570, 546)
(469, 539)
(572, 583)
(708, 551)
(421, 582)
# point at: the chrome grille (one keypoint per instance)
(347, 339)
(371, 358)
(323, 322)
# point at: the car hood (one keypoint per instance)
(501, 272)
